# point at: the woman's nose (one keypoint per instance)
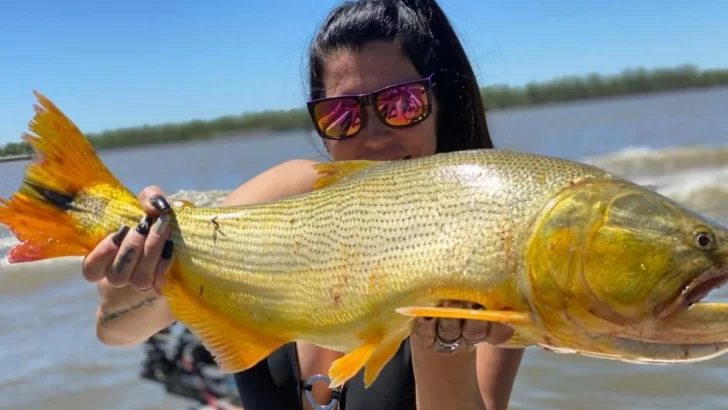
(377, 134)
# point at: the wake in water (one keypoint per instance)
(649, 162)
(694, 175)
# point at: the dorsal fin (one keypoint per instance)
(334, 171)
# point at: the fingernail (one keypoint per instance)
(161, 225)
(120, 235)
(167, 250)
(160, 204)
(144, 225)
(427, 318)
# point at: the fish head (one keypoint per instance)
(647, 256)
(607, 257)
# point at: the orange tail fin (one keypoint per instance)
(68, 200)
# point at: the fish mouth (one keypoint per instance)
(692, 292)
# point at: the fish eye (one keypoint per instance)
(704, 240)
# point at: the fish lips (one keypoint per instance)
(693, 291)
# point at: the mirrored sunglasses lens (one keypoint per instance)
(403, 105)
(338, 118)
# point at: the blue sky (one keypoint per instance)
(113, 64)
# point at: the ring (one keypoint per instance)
(447, 347)
(309, 396)
(473, 343)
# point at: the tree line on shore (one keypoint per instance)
(564, 89)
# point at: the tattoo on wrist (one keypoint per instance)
(121, 312)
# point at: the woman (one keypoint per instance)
(422, 99)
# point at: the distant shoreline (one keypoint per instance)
(14, 158)
(630, 82)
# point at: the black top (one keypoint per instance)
(275, 383)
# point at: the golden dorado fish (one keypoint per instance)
(571, 257)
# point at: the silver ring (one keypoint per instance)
(473, 343)
(447, 347)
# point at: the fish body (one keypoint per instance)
(327, 265)
(572, 257)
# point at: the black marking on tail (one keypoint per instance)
(58, 199)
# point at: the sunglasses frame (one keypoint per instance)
(370, 98)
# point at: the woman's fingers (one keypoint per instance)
(447, 335)
(449, 331)
(130, 251)
(142, 278)
(425, 330)
(163, 265)
(499, 334)
(153, 200)
(476, 331)
(96, 263)
(135, 256)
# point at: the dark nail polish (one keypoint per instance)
(167, 250)
(120, 235)
(161, 225)
(145, 225)
(160, 204)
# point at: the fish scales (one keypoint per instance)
(327, 261)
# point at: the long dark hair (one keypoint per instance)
(423, 31)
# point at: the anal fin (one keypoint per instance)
(501, 316)
(347, 366)
(382, 355)
(234, 347)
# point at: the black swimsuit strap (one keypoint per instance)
(271, 384)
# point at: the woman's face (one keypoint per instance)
(377, 65)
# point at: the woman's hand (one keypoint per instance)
(449, 369)
(137, 255)
(448, 336)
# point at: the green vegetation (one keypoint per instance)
(14, 148)
(632, 81)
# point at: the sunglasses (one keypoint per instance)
(400, 105)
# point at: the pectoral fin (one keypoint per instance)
(334, 171)
(506, 317)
